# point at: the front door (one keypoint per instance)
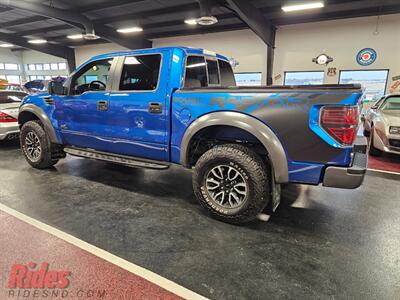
(83, 114)
(138, 107)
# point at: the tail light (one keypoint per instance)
(4, 118)
(340, 122)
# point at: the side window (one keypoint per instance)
(227, 77)
(212, 67)
(196, 72)
(93, 77)
(140, 73)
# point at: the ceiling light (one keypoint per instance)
(130, 29)
(130, 60)
(207, 20)
(304, 6)
(5, 45)
(37, 41)
(191, 21)
(90, 36)
(75, 36)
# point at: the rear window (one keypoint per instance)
(226, 73)
(140, 73)
(10, 97)
(196, 72)
(213, 74)
(392, 103)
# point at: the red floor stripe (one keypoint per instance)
(21, 243)
(386, 162)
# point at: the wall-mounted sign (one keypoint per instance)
(322, 59)
(395, 87)
(277, 77)
(366, 57)
(332, 72)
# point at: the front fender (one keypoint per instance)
(42, 116)
(253, 126)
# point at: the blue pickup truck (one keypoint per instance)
(155, 107)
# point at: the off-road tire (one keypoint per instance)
(252, 168)
(45, 159)
(372, 150)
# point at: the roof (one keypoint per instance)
(188, 50)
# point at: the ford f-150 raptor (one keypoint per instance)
(155, 107)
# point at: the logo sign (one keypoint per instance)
(366, 57)
(322, 59)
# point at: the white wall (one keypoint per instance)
(83, 53)
(7, 56)
(243, 45)
(35, 57)
(296, 45)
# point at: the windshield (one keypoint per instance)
(10, 97)
(392, 103)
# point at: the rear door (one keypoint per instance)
(138, 106)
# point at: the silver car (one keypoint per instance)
(382, 124)
(9, 106)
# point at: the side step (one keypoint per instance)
(115, 158)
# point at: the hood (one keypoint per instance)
(392, 117)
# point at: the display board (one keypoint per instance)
(248, 79)
(304, 78)
(374, 82)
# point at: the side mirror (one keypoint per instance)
(55, 88)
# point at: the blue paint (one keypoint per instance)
(128, 128)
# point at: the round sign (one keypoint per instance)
(366, 57)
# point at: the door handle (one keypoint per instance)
(102, 105)
(155, 108)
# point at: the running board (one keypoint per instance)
(115, 158)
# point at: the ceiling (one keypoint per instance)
(164, 18)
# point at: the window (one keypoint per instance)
(31, 67)
(213, 76)
(304, 78)
(93, 77)
(248, 79)
(13, 79)
(226, 73)
(32, 77)
(90, 78)
(374, 82)
(46, 67)
(140, 73)
(54, 66)
(47, 77)
(196, 72)
(1, 66)
(39, 67)
(13, 67)
(392, 103)
(62, 66)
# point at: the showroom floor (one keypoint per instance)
(320, 243)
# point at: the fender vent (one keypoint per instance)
(48, 100)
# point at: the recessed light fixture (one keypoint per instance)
(191, 21)
(6, 45)
(39, 41)
(130, 29)
(207, 20)
(75, 36)
(303, 6)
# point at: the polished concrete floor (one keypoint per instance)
(321, 243)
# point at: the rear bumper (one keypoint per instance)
(8, 130)
(353, 176)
